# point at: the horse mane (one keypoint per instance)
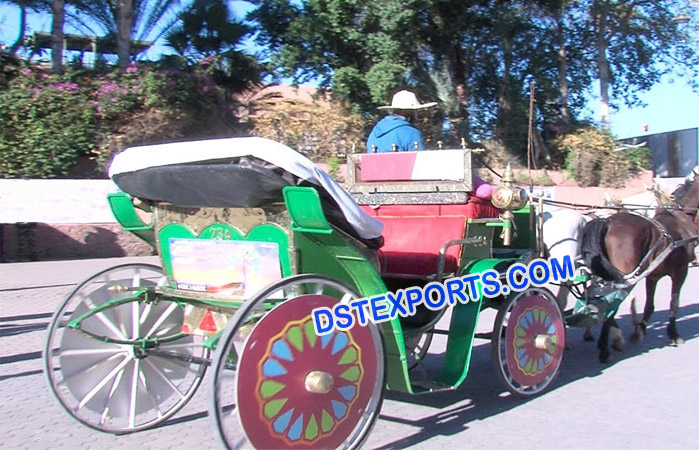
(593, 252)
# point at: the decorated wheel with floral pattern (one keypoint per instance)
(528, 341)
(280, 385)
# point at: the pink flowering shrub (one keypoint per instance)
(47, 122)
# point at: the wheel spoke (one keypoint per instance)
(290, 292)
(87, 351)
(136, 280)
(146, 312)
(105, 320)
(89, 369)
(98, 387)
(115, 385)
(167, 380)
(161, 319)
(134, 392)
(347, 298)
(153, 401)
(135, 320)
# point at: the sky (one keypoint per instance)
(670, 105)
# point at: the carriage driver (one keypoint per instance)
(395, 129)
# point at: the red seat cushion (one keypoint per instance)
(414, 234)
(412, 244)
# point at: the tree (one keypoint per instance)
(24, 7)
(126, 20)
(635, 44)
(364, 50)
(478, 56)
(207, 29)
(58, 11)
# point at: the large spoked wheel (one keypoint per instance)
(278, 385)
(115, 356)
(528, 341)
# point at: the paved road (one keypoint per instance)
(647, 399)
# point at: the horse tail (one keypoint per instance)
(594, 253)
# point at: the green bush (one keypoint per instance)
(44, 126)
(333, 163)
(640, 159)
(47, 122)
(592, 160)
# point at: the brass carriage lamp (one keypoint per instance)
(509, 198)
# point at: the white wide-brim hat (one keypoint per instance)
(406, 100)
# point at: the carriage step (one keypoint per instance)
(421, 387)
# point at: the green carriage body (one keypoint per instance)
(313, 247)
(310, 244)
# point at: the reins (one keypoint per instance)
(639, 273)
(627, 207)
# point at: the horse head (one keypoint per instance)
(687, 196)
(661, 198)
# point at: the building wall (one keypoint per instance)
(674, 153)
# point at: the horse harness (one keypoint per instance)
(671, 244)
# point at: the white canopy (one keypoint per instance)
(137, 158)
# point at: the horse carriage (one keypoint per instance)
(252, 238)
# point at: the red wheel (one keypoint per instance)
(292, 388)
(528, 341)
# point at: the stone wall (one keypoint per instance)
(70, 219)
(40, 241)
(61, 219)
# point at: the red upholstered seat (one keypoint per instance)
(412, 244)
(414, 234)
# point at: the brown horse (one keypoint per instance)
(624, 248)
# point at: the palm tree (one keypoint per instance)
(208, 29)
(125, 13)
(127, 20)
(58, 9)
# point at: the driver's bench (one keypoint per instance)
(424, 200)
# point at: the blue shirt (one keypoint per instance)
(394, 130)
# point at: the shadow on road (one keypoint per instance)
(480, 397)
(487, 397)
